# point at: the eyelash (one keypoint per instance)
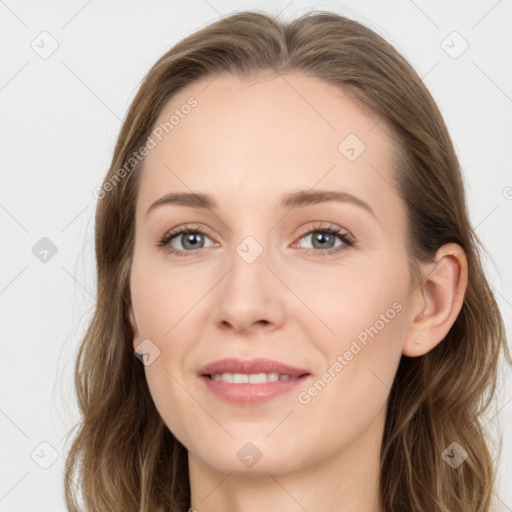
(347, 240)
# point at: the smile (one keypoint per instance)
(250, 382)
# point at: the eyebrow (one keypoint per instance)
(289, 200)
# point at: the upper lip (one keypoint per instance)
(260, 365)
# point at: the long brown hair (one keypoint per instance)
(123, 457)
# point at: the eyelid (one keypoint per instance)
(319, 226)
(328, 226)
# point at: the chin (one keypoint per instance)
(256, 457)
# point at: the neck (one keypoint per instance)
(347, 481)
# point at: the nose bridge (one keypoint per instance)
(248, 274)
(250, 249)
(248, 294)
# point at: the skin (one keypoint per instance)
(247, 142)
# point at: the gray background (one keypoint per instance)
(59, 118)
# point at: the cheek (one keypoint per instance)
(164, 313)
(160, 298)
(367, 318)
(369, 355)
(363, 304)
(350, 396)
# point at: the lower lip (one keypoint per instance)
(251, 394)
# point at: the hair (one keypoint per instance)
(123, 456)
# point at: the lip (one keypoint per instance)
(247, 393)
(260, 365)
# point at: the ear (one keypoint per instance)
(135, 329)
(437, 300)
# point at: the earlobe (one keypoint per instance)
(437, 300)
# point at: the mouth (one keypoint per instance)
(250, 382)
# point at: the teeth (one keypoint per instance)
(236, 378)
(253, 378)
(260, 378)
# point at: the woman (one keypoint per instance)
(346, 374)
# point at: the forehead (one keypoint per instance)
(266, 135)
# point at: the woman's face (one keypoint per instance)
(259, 278)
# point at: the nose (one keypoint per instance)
(249, 297)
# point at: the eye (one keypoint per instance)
(323, 239)
(191, 238)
